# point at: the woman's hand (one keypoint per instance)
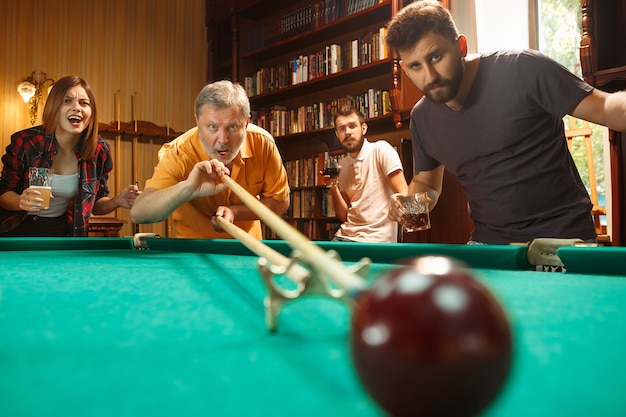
(31, 200)
(128, 195)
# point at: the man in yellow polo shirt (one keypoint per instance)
(183, 184)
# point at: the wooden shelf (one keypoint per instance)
(139, 128)
(229, 40)
(326, 32)
(373, 69)
(614, 78)
(105, 226)
(327, 134)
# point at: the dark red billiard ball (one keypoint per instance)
(428, 339)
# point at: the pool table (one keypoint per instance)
(94, 327)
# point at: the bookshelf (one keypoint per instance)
(300, 60)
(307, 59)
(311, 210)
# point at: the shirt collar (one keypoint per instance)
(245, 152)
(365, 150)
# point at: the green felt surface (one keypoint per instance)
(594, 260)
(476, 256)
(113, 332)
(570, 334)
(121, 332)
(77, 243)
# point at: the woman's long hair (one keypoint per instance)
(89, 137)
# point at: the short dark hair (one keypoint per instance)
(417, 20)
(347, 111)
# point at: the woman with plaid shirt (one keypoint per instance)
(68, 142)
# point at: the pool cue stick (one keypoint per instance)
(133, 150)
(118, 147)
(296, 273)
(310, 253)
(137, 224)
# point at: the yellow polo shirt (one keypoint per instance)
(258, 168)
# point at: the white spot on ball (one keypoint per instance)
(375, 335)
(450, 298)
(412, 282)
(434, 265)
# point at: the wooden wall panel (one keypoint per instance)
(150, 53)
(135, 157)
(153, 49)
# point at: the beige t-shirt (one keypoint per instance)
(365, 180)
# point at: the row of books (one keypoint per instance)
(329, 60)
(328, 209)
(311, 208)
(303, 204)
(306, 185)
(302, 18)
(304, 172)
(281, 121)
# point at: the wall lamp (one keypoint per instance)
(31, 91)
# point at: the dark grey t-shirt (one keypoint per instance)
(508, 149)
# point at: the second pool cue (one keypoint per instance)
(295, 272)
(136, 224)
(310, 253)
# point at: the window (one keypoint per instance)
(559, 33)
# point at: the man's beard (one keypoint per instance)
(449, 88)
(213, 152)
(358, 144)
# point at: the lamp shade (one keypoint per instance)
(27, 90)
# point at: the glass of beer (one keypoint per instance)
(40, 179)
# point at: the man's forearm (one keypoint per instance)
(154, 205)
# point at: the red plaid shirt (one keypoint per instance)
(33, 147)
